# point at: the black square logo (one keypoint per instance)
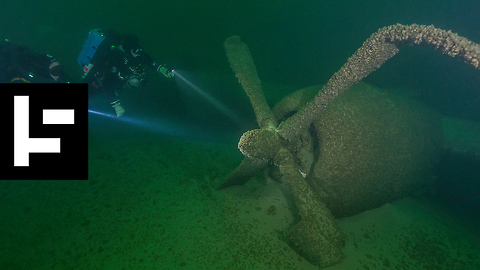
(45, 132)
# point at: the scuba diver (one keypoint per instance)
(18, 64)
(112, 61)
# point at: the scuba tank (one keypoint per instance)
(95, 37)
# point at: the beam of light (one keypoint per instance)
(182, 81)
(102, 114)
(156, 125)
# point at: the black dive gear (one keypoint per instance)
(18, 64)
(111, 61)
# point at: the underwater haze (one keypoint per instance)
(151, 201)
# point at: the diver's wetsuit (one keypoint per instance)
(19, 64)
(112, 66)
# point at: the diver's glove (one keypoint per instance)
(165, 71)
(119, 110)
